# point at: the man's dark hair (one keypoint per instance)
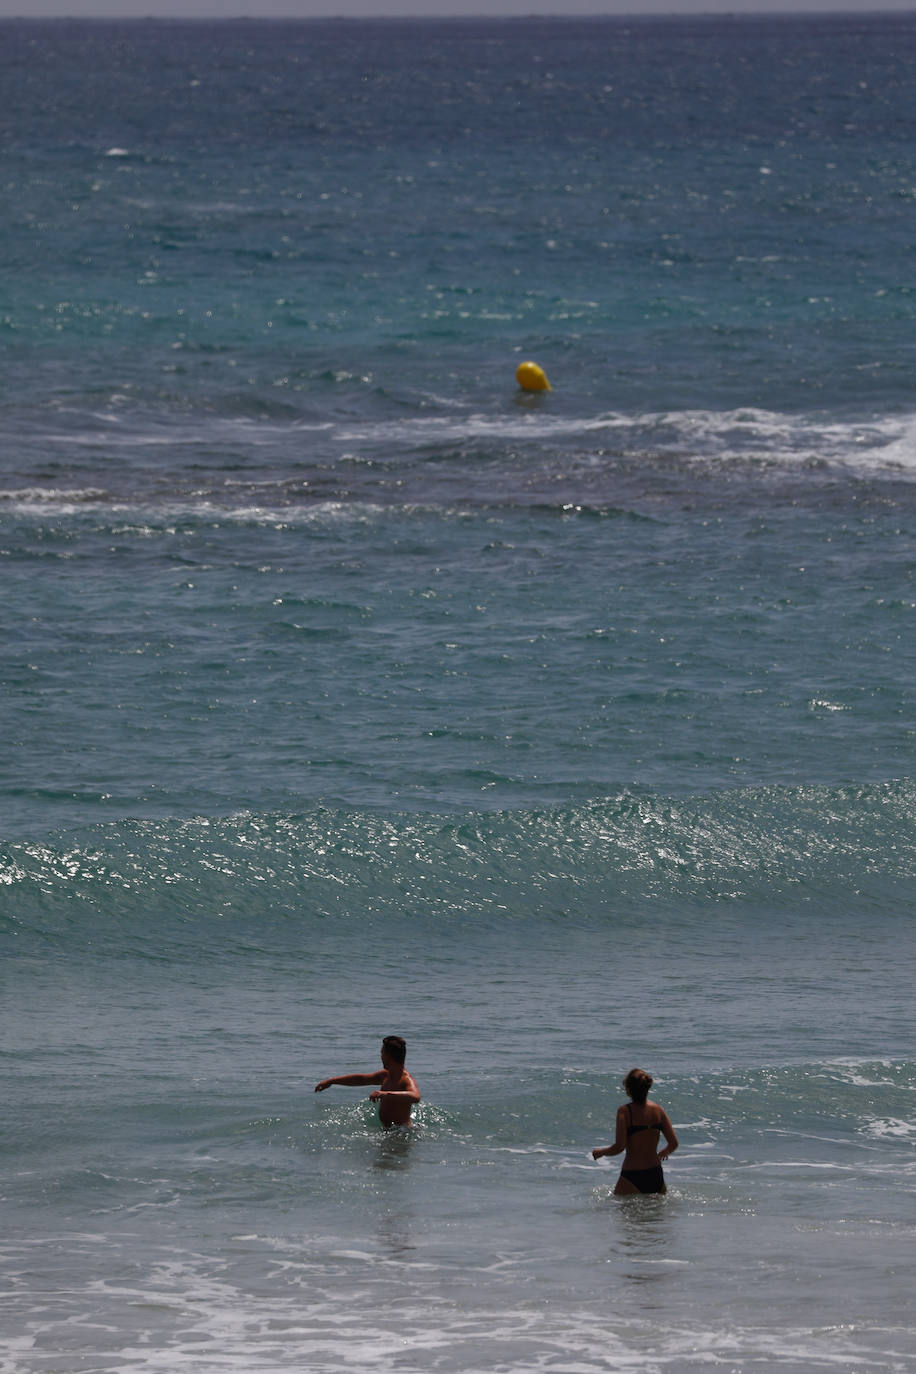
(396, 1047)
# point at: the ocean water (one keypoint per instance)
(347, 689)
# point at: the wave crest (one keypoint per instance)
(624, 859)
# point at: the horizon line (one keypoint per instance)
(861, 8)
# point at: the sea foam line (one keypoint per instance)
(875, 443)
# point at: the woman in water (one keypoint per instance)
(639, 1124)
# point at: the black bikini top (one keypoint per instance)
(633, 1128)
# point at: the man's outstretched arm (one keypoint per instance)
(351, 1080)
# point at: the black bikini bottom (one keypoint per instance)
(646, 1180)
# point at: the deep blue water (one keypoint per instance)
(349, 689)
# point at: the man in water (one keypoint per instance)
(396, 1092)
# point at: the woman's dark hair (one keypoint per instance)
(637, 1084)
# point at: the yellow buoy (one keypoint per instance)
(530, 377)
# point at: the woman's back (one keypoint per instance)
(643, 1125)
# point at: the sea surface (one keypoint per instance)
(349, 689)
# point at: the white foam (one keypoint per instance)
(696, 438)
(143, 518)
(891, 1128)
(289, 1302)
(865, 1075)
(71, 497)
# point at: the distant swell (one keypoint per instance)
(628, 859)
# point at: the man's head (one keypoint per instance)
(395, 1048)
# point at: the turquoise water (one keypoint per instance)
(350, 690)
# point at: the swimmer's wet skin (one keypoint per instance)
(395, 1089)
(637, 1139)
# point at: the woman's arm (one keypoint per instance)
(671, 1140)
(620, 1143)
